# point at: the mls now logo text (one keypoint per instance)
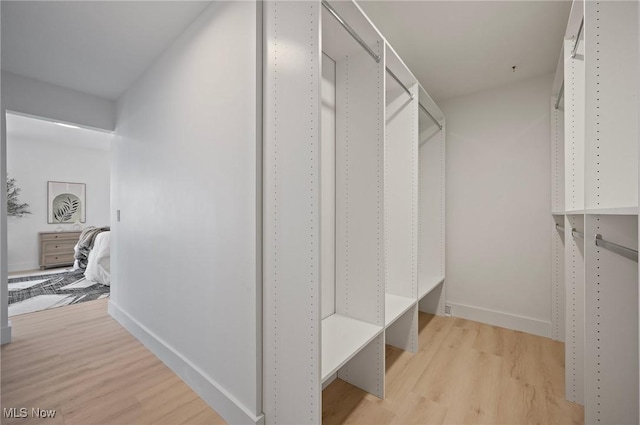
(23, 412)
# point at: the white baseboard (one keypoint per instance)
(329, 381)
(5, 334)
(503, 320)
(19, 267)
(213, 394)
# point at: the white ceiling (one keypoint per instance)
(97, 47)
(453, 47)
(36, 130)
(456, 48)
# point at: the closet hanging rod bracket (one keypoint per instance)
(430, 116)
(395, 77)
(351, 31)
(560, 94)
(574, 51)
(577, 234)
(629, 253)
(560, 228)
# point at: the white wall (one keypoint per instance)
(33, 97)
(498, 206)
(187, 159)
(34, 162)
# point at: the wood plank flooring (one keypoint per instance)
(465, 373)
(80, 362)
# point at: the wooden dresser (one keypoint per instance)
(56, 248)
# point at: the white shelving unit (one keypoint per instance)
(431, 217)
(600, 114)
(342, 339)
(427, 286)
(341, 206)
(395, 306)
(401, 203)
(613, 211)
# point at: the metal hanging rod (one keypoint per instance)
(629, 253)
(577, 234)
(411, 95)
(560, 94)
(575, 45)
(350, 30)
(430, 116)
(560, 228)
(373, 54)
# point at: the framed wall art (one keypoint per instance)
(66, 202)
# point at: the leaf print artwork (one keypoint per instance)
(66, 208)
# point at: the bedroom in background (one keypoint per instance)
(58, 191)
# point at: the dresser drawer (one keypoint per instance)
(58, 259)
(57, 247)
(74, 236)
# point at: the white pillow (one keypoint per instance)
(99, 261)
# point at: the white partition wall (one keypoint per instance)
(431, 207)
(601, 204)
(192, 127)
(574, 128)
(558, 298)
(401, 205)
(611, 107)
(291, 239)
(558, 290)
(574, 87)
(611, 203)
(574, 313)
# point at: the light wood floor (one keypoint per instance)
(82, 363)
(79, 361)
(464, 373)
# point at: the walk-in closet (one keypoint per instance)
(339, 212)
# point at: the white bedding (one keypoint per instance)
(99, 260)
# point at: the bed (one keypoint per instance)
(97, 263)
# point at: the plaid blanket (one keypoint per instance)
(85, 243)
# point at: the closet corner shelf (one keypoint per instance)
(395, 306)
(613, 211)
(574, 212)
(342, 338)
(557, 212)
(430, 286)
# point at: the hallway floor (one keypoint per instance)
(82, 363)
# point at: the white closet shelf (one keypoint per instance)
(430, 286)
(574, 212)
(613, 211)
(342, 338)
(395, 306)
(557, 212)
